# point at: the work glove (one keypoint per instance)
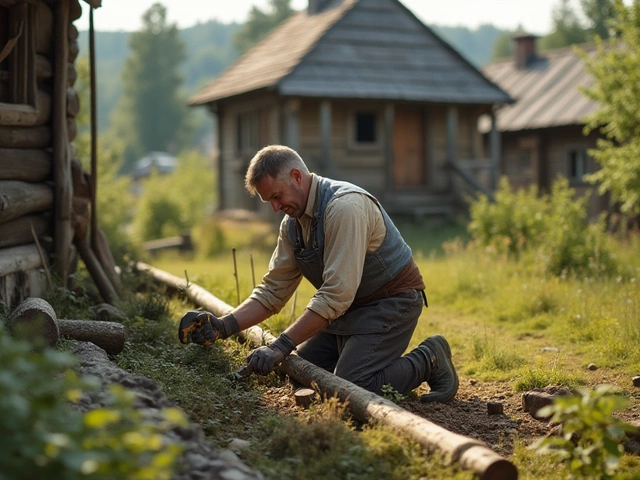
(204, 328)
(264, 359)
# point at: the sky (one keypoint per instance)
(533, 15)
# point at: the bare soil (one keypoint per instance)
(467, 414)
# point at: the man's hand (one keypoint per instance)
(264, 359)
(204, 328)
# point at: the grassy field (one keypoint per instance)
(507, 322)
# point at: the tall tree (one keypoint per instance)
(599, 14)
(152, 112)
(260, 23)
(567, 29)
(616, 72)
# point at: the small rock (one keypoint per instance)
(592, 367)
(473, 382)
(238, 444)
(636, 381)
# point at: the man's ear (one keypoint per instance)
(296, 176)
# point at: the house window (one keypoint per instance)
(17, 63)
(578, 165)
(524, 163)
(365, 128)
(248, 133)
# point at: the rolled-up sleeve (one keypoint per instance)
(347, 237)
(283, 277)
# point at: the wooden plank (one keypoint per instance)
(19, 231)
(25, 164)
(20, 198)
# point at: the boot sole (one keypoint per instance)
(439, 343)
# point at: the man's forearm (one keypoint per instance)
(251, 312)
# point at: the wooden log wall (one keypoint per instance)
(36, 188)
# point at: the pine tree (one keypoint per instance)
(152, 112)
(260, 23)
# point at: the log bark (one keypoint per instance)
(20, 198)
(103, 253)
(107, 292)
(110, 336)
(25, 137)
(18, 231)
(63, 235)
(73, 103)
(44, 32)
(19, 259)
(27, 115)
(471, 454)
(26, 165)
(44, 70)
(35, 319)
(72, 75)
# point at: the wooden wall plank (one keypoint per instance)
(28, 165)
(20, 198)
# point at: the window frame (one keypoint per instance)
(584, 164)
(352, 130)
(21, 107)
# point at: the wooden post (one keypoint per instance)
(471, 454)
(325, 138)
(389, 120)
(63, 233)
(292, 123)
(94, 134)
(496, 152)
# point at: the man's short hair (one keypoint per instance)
(275, 161)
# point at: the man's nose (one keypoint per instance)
(276, 206)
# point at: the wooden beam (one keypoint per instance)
(496, 150)
(63, 233)
(18, 231)
(389, 122)
(366, 406)
(20, 198)
(28, 165)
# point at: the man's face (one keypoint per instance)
(288, 197)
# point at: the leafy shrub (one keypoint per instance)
(554, 227)
(590, 440)
(44, 437)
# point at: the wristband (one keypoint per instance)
(284, 343)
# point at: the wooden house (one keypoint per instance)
(43, 189)
(542, 132)
(366, 93)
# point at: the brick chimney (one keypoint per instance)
(525, 49)
(316, 6)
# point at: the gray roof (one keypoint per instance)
(547, 92)
(356, 49)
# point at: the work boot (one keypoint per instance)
(442, 377)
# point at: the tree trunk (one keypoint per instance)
(19, 198)
(471, 454)
(18, 231)
(25, 165)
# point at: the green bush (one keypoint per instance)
(590, 440)
(44, 437)
(554, 227)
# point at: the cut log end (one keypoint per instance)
(495, 408)
(35, 320)
(304, 397)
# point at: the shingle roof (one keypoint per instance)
(547, 93)
(357, 49)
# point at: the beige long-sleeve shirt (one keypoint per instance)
(353, 226)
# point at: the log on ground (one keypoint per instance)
(110, 336)
(471, 454)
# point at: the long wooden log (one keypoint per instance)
(44, 32)
(18, 231)
(27, 165)
(25, 137)
(471, 454)
(107, 292)
(44, 70)
(36, 318)
(20, 198)
(63, 235)
(103, 253)
(19, 259)
(28, 116)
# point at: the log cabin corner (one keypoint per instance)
(366, 93)
(43, 190)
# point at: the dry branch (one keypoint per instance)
(471, 454)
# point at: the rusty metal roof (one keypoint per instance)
(547, 92)
(373, 49)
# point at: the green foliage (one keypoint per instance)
(566, 30)
(46, 438)
(151, 114)
(543, 375)
(175, 202)
(260, 23)
(590, 441)
(598, 14)
(215, 236)
(616, 73)
(555, 227)
(392, 394)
